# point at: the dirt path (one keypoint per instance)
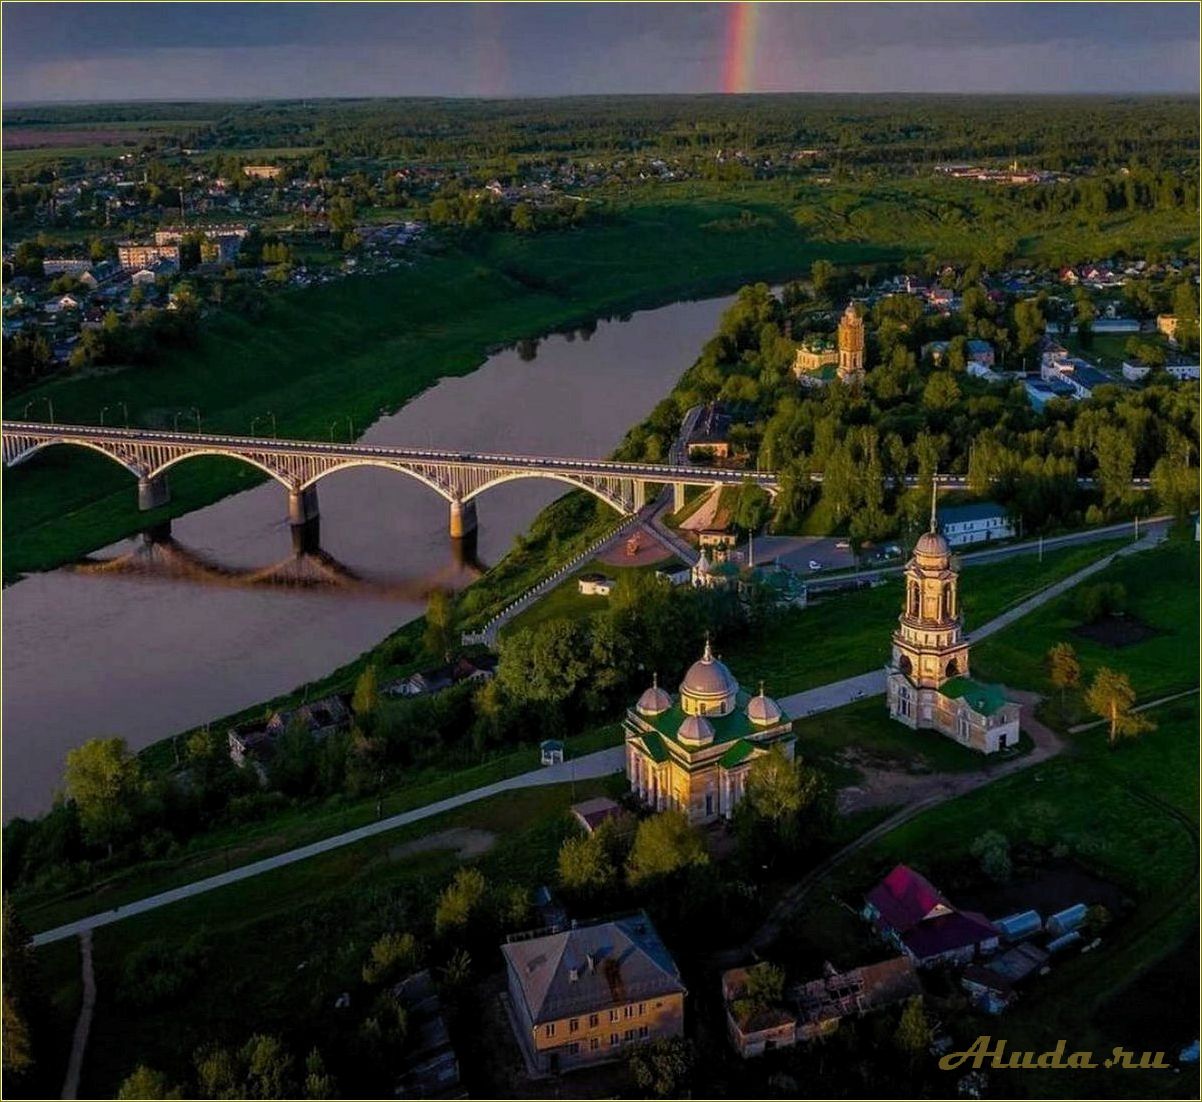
(466, 841)
(83, 1026)
(704, 516)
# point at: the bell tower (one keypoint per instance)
(851, 344)
(928, 646)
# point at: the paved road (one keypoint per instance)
(83, 1025)
(600, 764)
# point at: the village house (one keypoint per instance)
(979, 522)
(320, 719)
(710, 438)
(595, 585)
(262, 172)
(754, 1030)
(992, 986)
(584, 995)
(823, 1003)
(430, 1068)
(1181, 368)
(909, 913)
(1167, 324)
(434, 679)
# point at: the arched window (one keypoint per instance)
(953, 668)
(913, 601)
(905, 665)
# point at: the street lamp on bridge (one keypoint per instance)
(350, 425)
(263, 417)
(124, 410)
(34, 402)
(196, 414)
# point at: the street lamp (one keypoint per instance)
(196, 414)
(34, 402)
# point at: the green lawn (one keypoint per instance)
(866, 729)
(1162, 591)
(241, 844)
(284, 945)
(839, 636)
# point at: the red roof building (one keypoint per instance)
(909, 912)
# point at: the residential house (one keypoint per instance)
(550, 752)
(1115, 325)
(60, 265)
(262, 172)
(1040, 392)
(979, 522)
(320, 718)
(710, 437)
(1167, 324)
(584, 995)
(429, 1066)
(909, 913)
(132, 255)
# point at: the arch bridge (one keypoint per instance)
(298, 465)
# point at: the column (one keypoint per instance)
(677, 496)
(153, 492)
(302, 505)
(463, 518)
(640, 494)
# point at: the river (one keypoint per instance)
(149, 637)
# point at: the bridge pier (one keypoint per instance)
(640, 494)
(677, 496)
(463, 519)
(306, 538)
(153, 492)
(302, 505)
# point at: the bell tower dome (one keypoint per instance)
(928, 645)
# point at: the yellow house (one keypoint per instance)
(694, 753)
(584, 995)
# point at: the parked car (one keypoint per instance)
(843, 545)
(815, 565)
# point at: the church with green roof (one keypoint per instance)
(693, 752)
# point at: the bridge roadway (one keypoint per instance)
(458, 476)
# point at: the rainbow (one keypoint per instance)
(738, 62)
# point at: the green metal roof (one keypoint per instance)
(655, 747)
(983, 699)
(726, 728)
(739, 751)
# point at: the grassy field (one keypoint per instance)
(866, 728)
(854, 629)
(362, 346)
(286, 944)
(1162, 593)
(243, 843)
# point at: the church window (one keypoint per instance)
(904, 664)
(963, 726)
(953, 668)
(709, 803)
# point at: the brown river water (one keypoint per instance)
(157, 634)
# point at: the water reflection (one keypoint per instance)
(156, 555)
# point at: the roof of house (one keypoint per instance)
(983, 699)
(905, 898)
(712, 426)
(948, 932)
(592, 967)
(977, 510)
(595, 811)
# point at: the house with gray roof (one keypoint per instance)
(584, 995)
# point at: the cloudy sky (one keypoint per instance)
(120, 51)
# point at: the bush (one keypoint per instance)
(157, 973)
(392, 956)
(1096, 602)
(992, 849)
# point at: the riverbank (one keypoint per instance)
(364, 347)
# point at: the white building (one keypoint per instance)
(981, 522)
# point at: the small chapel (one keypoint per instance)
(693, 752)
(928, 685)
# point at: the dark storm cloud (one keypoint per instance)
(181, 51)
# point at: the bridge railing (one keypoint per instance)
(487, 635)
